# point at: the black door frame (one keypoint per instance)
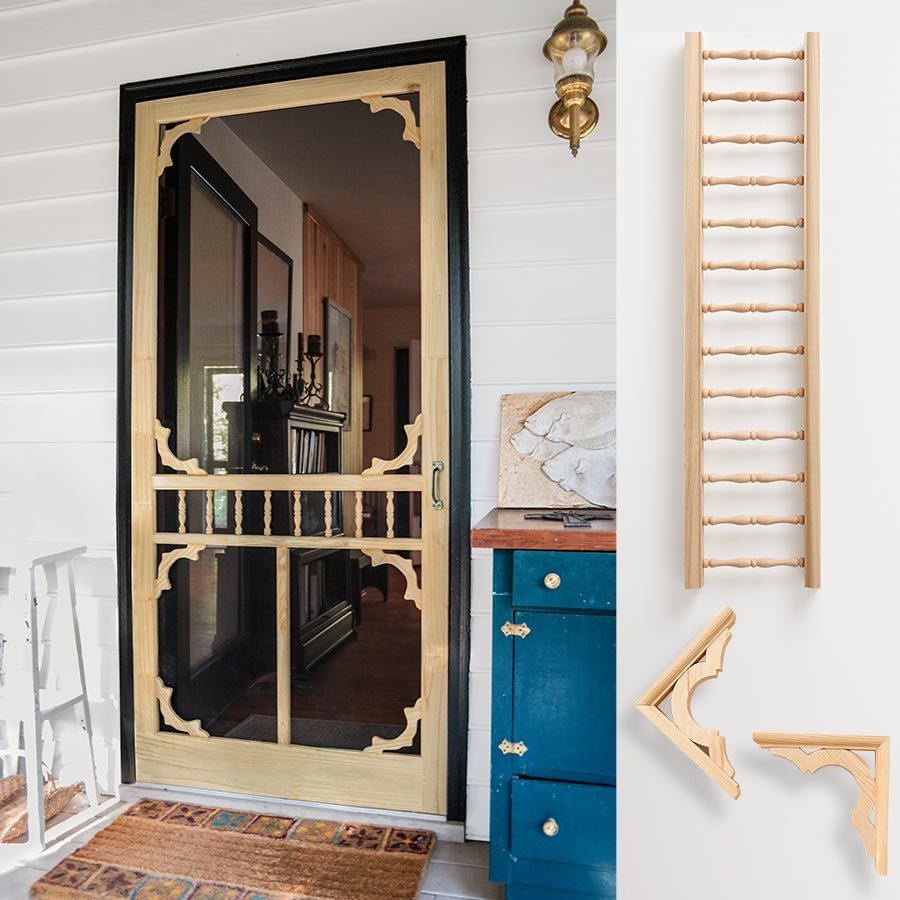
(452, 52)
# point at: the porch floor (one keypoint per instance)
(455, 871)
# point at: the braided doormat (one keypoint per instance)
(159, 850)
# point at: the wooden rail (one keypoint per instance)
(753, 54)
(745, 393)
(753, 520)
(752, 265)
(753, 138)
(753, 96)
(753, 223)
(753, 307)
(751, 180)
(760, 562)
(753, 477)
(752, 350)
(753, 435)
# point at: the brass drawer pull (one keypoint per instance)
(507, 747)
(550, 828)
(509, 629)
(552, 581)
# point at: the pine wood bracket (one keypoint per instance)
(406, 455)
(168, 458)
(376, 103)
(191, 126)
(171, 718)
(701, 660)
(842, 751)
(413, 591)
(167, 560)
(405, 738)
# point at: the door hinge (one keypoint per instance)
(512, 630)
(518, 748)
(166, 202)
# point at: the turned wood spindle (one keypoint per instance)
(753, 520)
(238, 512)
(753, 139)
(182, 512)
(754, 477)
(267, 512)
(209, 512)
(762, 562)
(359, 514)
(754, 265)
(753, 435)
(389, 513)
(753, 54)
(298, 514)
(752, 307)
(753, 223)
(328, 511)
(753, 96)
(744, 393)
(751, 180)
(748, 350)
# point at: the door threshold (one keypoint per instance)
(453, 832)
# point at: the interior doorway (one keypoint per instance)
(289, 559)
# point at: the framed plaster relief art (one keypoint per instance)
(338, 357)
(557, 450)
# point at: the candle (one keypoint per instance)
(299, 348)
(269, 319)
(314, 344)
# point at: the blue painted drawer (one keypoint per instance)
(586, 580)
(564, 695)
(582, 855)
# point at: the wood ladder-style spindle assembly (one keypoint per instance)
(695, 267)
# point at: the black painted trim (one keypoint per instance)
(451, 51)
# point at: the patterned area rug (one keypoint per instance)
(159, 850)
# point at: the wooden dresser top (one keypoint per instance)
(508, 529)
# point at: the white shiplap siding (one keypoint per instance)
(542, 251)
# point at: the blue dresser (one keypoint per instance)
(553, 733)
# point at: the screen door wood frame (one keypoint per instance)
(386, 780)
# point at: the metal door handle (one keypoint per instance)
(436, 466)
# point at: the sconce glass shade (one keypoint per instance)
(573, 48)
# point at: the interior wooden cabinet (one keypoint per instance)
(262, 513)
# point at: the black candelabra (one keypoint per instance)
(271, 378)
(309, 392)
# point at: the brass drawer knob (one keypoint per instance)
(551, 580)
(550, 828)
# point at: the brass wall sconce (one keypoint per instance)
(573, 48)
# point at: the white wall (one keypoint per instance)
(542, 240)
(800, 660)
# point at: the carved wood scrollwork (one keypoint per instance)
(171, 718)
(191, 126)
(405, 738)
(162, 583)
(403, 108)
(869, 815)
(168, 458)
(701, 661)
(413, 591)
(406, 455)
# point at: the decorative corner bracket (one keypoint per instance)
(405, 738)
(376, 103)
(843, 751)
(405, 457)
(162, 583)
(191, 126)
(168, 458)
(701, 660)
(170, 717)
(413, 591)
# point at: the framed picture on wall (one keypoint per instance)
(367, 412)
(338, 336)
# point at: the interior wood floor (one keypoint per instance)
(370, 679)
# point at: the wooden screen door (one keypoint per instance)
(170, 749)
